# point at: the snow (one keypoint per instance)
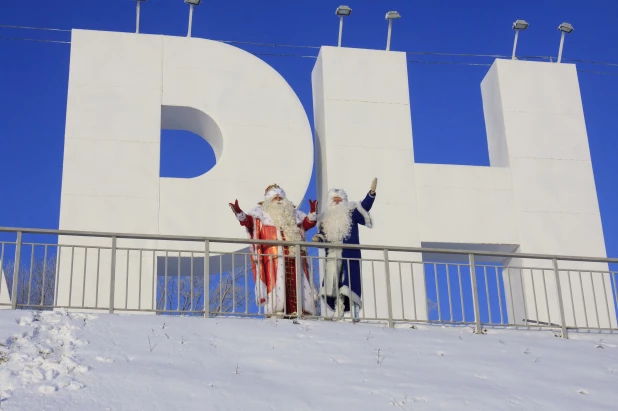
(71, 361)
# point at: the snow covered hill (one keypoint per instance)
(58, 361)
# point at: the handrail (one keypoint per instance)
(305, 244)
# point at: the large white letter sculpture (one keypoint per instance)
(538, 196)
(125, 88)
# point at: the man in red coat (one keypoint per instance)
(274, 267)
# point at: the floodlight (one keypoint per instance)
(517, 26)
(565, 28)
(343, 11)
(193, 2)
(390, 16)
(520, 25)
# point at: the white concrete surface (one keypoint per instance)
(466, 205)
(123, 89)
(536, 128)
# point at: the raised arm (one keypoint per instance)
(244, 219)
(312, 218)
(367, 203)
(361, 214)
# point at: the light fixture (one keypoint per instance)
(390, 16)
(565, 28)
(137, 12)
(518, 26)
(342, 11)
(193, 4)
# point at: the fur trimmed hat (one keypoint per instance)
(273, 190)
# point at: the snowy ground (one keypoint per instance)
(55, 361)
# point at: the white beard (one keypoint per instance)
(283, 215)
(336, 222)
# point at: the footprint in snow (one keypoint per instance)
(47, 389)
(104, 359)
(74, 386)
(582, 391)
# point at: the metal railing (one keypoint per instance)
(180, 275)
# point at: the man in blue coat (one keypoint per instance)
(338, 224)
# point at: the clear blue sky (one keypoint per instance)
(447, 113)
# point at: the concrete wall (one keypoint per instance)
(536, 128)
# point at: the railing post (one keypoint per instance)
(299, 283)
(475, 297)
(560, 302)
(389, 300)
(112, 278)
(207, 279)
(16, 265)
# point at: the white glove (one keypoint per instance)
(374, 185)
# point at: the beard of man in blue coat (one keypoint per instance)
(338, 224)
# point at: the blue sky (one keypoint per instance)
(447, 114)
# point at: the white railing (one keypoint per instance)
(177, 275)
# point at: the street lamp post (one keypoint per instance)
(342, 11)
(192, 4)
(390, 16)
(565, 28)
(518, 26)
(137, 12)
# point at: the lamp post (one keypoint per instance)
(565, 28)
(518, 26)
(192, 4)
(139, 2)
(390, 16)
(342, 11)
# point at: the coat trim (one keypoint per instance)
(332, 271)
(345, 290)
(366, 215)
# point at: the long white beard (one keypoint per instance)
(336, 222)
(283, 215)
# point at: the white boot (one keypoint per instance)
(340, 308)
(355, 313)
